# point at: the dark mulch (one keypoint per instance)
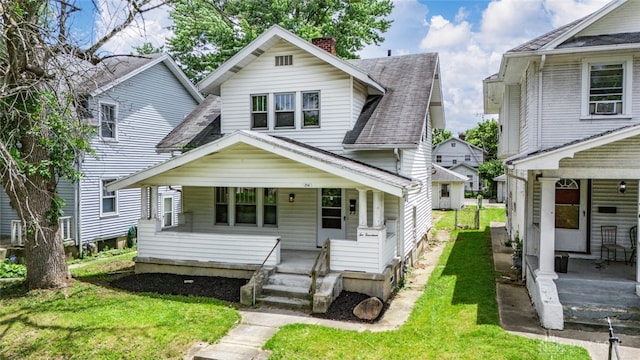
(216, 287)
(227, 290)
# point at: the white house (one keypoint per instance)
(133, 102)
(299, 154)
(447, 188)
(570, 141)
(501, 182)
(462, 157)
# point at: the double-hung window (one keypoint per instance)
(438, 158)
(270, 206)
(246, 206)
(285, 109)
(222, 206)
(310, 108)
(467, 158)
(108, 124)
(606, 87)
(108, 199)
(246, 209)
(259, 111)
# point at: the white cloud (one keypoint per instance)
(444, 35)
(564, 12)
(151, 27)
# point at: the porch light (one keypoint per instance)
(622, 187)
(292, 197)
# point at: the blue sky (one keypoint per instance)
(469, 36)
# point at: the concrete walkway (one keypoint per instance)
(516, 314)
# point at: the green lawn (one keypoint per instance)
(455, 318)
(91, 321)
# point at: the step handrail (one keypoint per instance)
(260, 268)
(325, 252)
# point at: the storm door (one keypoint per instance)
(571, 215)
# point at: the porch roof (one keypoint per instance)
(349, 171)
(549, 158)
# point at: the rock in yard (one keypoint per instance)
(368, 309)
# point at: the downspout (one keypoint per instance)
(543, 59)
(400, 239)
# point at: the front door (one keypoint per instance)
(571, 215)
(331, 215)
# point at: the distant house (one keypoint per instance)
(447, 188)
(501, 182)
(472, 176)
(297, 154)
(455, 151)
(570, 141)
(133, 102)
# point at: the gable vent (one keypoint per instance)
(284, 60)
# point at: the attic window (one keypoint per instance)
(284, 60)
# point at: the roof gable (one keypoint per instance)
(470, 146)
(323, 160)
(441, 174)
(118, 69)
(211, 84)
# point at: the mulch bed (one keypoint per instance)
(228, 290)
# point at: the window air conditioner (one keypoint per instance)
(605, 107)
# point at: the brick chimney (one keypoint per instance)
(327, 44)
(462, 136)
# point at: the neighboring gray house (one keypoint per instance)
(447, 188)
(133, 102)
(570, 140)
(296, 155)
(472, 175)
(455, 151)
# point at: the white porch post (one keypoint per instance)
(362, 208)
(154, 202)
(378, 209)
(546, 256)
(545, 293)
(144, 203)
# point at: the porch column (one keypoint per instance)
(378, 209)
(546, 248)
(154, 202)
(362, 208)
(144, 203)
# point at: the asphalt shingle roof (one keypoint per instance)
(398, 117)
(114, 68)
(200, 127)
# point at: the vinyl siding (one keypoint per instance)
(416, 164)
(306, 74)
(605, 193)
(621, 155)
(359, 98)
(530, 101)
(384, 159)
(149, 105)
(458, 152)
(622, 20)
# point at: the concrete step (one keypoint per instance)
(290, 280)
(286, 291)
(620, 299)
(285, 302)
(600, 325)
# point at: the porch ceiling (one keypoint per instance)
(253, 159)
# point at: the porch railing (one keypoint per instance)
(17, 232)
(254, 277)
(323, 257)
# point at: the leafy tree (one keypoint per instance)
(485, 136)
(439, 135)
(148, 49)
(208, 32)
(489, 170)
(41, 135)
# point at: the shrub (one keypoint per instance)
(11, 270)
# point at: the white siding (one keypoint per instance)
(6, 214)
(456, 195)
(306, 74)
(416, 164)
(530, 109)
(149, 105)
(297, 221)
(223, 248)
(359, 98)
(456, 149)
(622, 20)
(605, 194)
(621, 155)
(372, 256)
(384, 159)
(562, 96)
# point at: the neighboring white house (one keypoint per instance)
(455, 151)
(472, 175)
(501, 182)
(447, 188)
(133, 102)
(294, 151)
(570, 141)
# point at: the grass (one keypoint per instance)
(455, 318)
(91, 321)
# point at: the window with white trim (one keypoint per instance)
(438, 158)
(108, 199)
(108, 125)
(467, 158)
(454, 161)
(606, 87)
(167, 211)
(259, 111)
(285, 110)
(245, 206)
(310, 108)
